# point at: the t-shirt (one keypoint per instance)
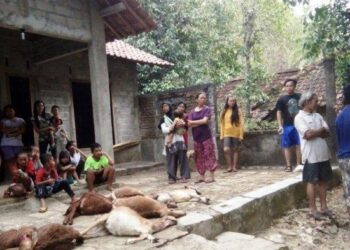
(44, 122)
(7, 139)
(93, 164)
(315, 150)
(288, 105)
(227, 129)
(342, 124)
(75, 158)
(202, 132)
(43, 175)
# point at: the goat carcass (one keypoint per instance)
(57, 237)
(180, 195)
(148, 207)
(124, 221)
(89, 204)
(13, 237)
(124, 192)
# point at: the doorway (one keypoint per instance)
(84, 122)
(20, 99)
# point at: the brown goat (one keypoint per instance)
(13, 237)
(147, 207)
(89, 203)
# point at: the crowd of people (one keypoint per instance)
(53, 165)
(46, 170)
(302, 130)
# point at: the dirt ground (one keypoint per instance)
(298, 231)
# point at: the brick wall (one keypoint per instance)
(64, 18)
(150, 114)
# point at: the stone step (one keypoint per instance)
(129, 168)
(225, 241)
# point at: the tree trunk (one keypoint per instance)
(329, 66)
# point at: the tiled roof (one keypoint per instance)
(122, 50)
(310, 78)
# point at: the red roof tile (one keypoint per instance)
(120, 49)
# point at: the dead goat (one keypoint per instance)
(147, 207)
(124, 221)
(89, 204)
(187, 194)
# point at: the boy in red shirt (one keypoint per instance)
(23, 175)
(48, 183)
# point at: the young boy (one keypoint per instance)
(23, 175)
(47, 182)
(99, 168)
(55, 122)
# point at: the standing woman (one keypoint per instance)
(41, 125)
(231, 132)
(204, 147)
(11, 128)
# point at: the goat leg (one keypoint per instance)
(140, 238)
(71, 212)
(100, 222)
(176, 213)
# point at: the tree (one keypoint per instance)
(204, 41)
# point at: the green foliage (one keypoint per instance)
(255, 125)
(203, 38)
(328, 36)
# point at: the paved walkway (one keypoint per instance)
(18, 213)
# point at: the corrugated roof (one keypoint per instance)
(122, 50)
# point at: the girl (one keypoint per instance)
(204, 147)
(35, 157)
(41, 124)
(65, 167)
(48, 183)
(77, 157)
(12, 128)
(231, 132)
(181, 107)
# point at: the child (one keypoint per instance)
(179, 127)
(66, 168)
(56, 122)
(47, 182)
(35, 158)
(23, 175)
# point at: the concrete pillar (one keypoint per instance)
(100, 82)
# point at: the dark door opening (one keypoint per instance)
(84, 123)
(20, 99)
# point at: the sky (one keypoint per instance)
(299, 9)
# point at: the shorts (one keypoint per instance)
(315, 172)
(10, 152)
(231, 142)
(290, 137)
(99, 177)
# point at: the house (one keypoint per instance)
(56, 51)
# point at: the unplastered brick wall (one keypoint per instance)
(152, 140)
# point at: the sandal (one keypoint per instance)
(209, 180)
(327, 213)
(316, 215)
(288, 169)
(199, 181)
(42, 209)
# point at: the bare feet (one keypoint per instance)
(200, 179)
(210, 179)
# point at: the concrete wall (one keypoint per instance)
(258, 148)
(58, 18)
(51, 82)
(152, 139)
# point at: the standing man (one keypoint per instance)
(287, 108)
(343, 136)
(317, 171)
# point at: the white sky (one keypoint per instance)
(300, 9)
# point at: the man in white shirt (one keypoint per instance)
(317, 170)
